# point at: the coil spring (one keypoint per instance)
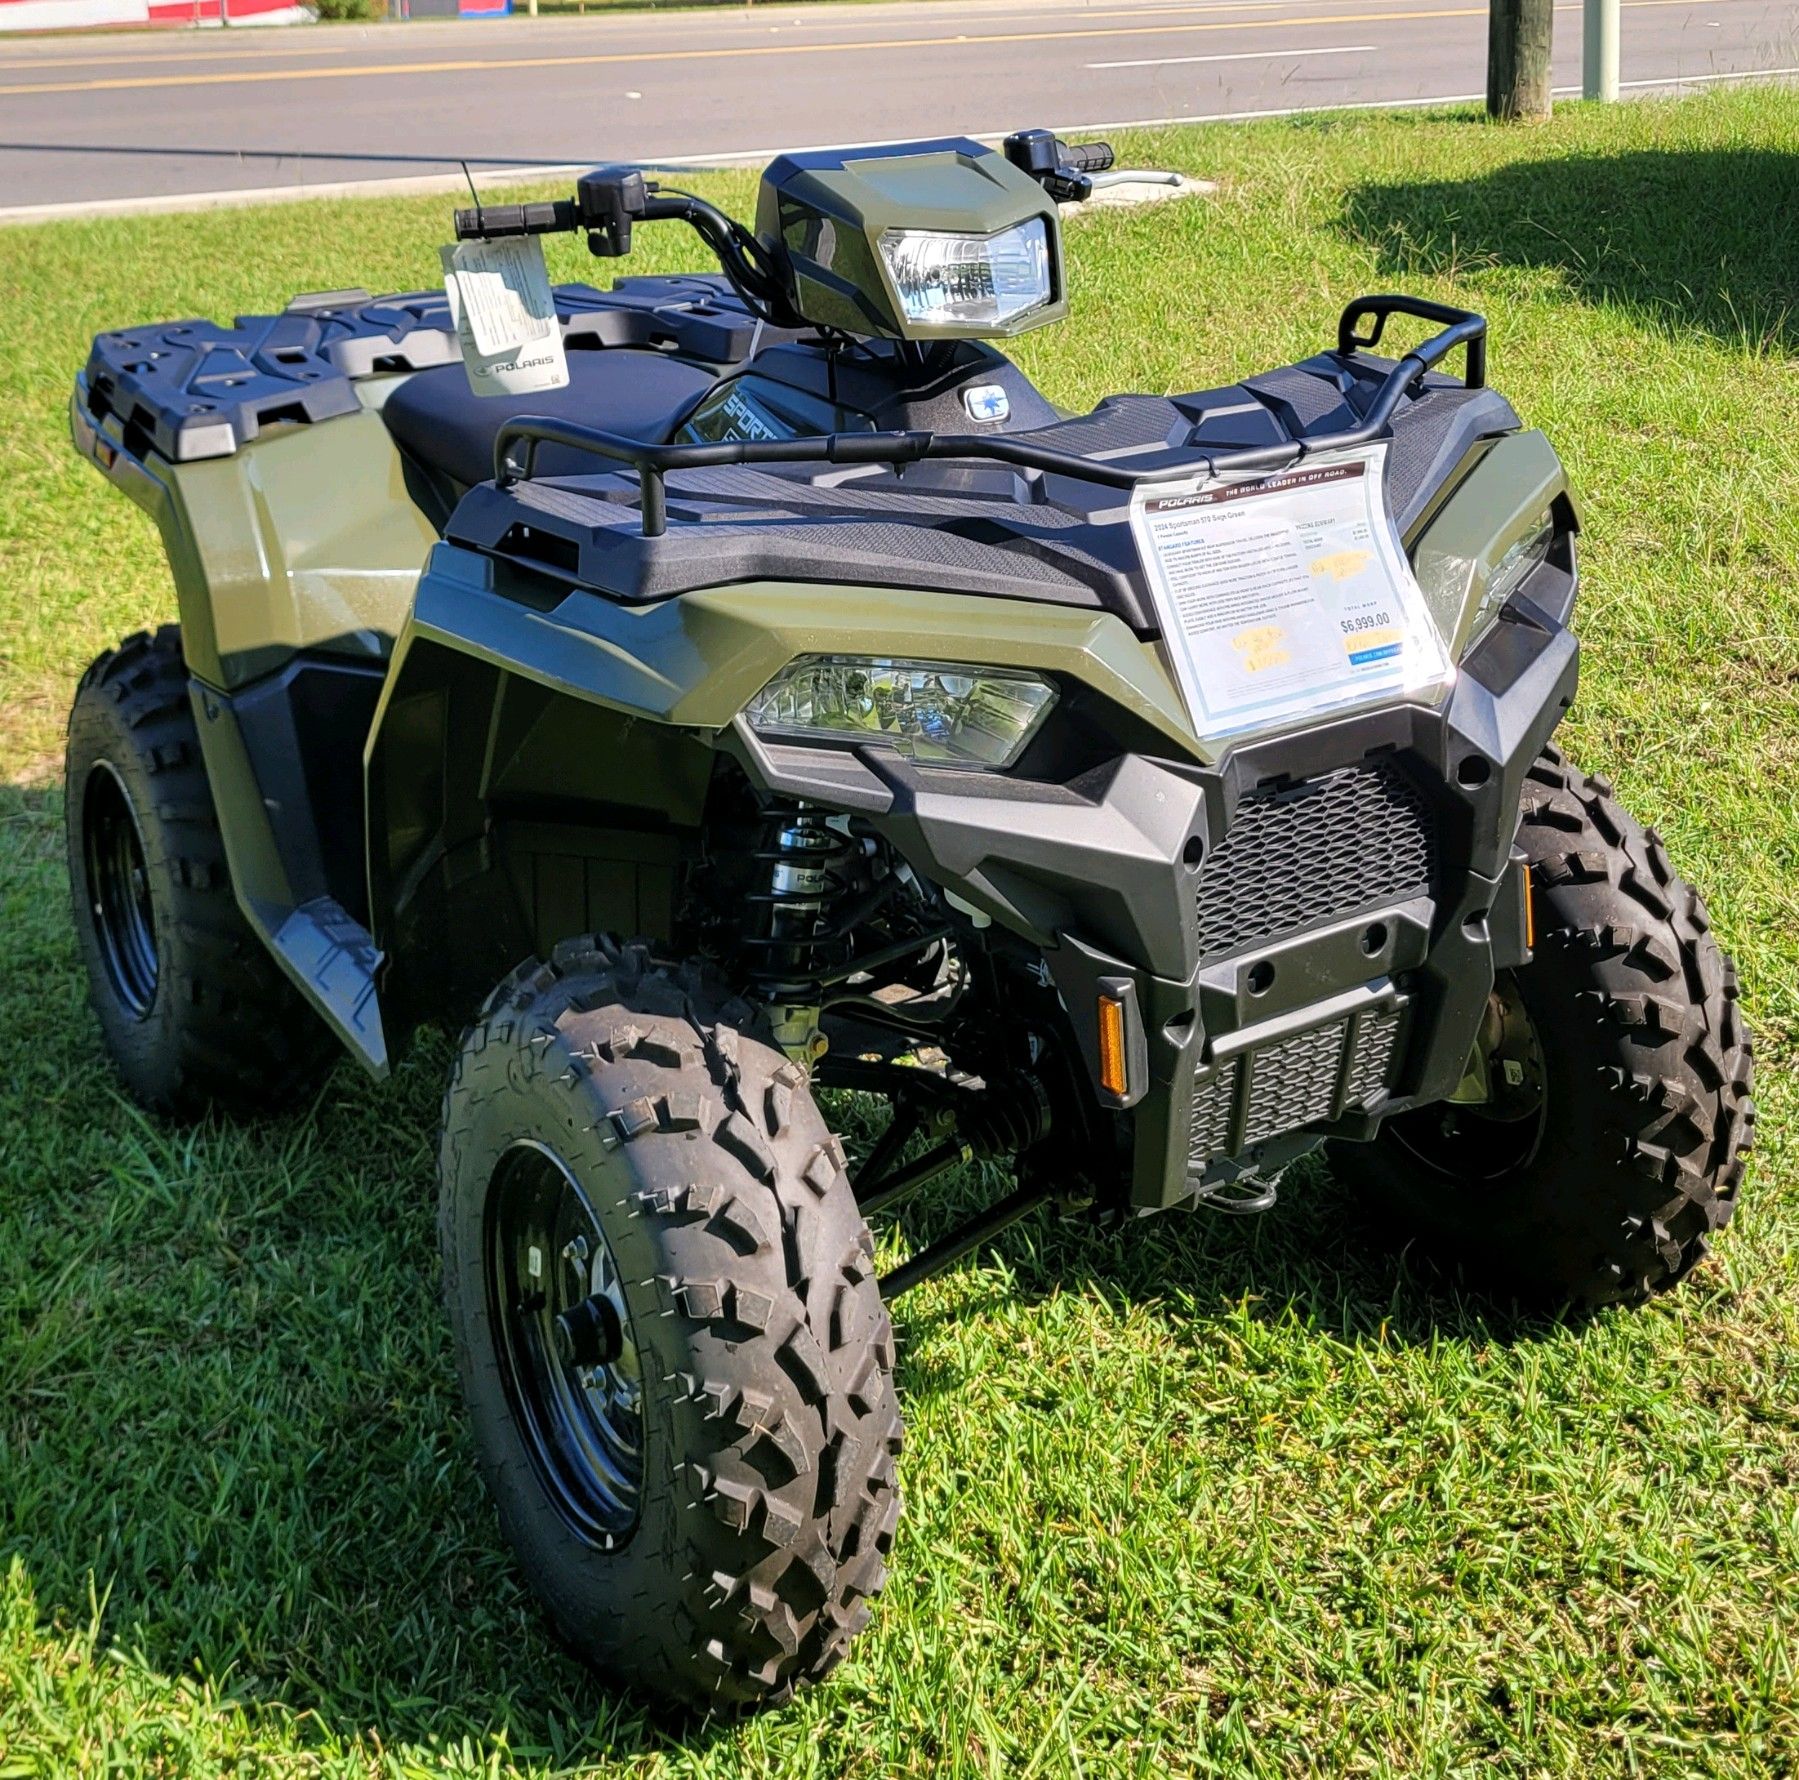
(1008, 1118)
(800, 866)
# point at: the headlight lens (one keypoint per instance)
(1509, 574)
(1518, 561)
(969, 280)
(929, 711)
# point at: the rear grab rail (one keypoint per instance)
(653, 462)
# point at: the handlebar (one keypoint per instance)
(609, 201)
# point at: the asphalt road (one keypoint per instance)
(122, 117)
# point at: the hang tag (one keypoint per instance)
(505, 316)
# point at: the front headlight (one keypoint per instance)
(1510, 573)
(969, 280)
(1510, 570)
(929, 711)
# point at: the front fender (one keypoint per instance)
(542, 755)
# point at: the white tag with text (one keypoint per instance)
(505, 316)
(1283, 595)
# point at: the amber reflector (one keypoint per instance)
(1530, 914)
(1111, 1045)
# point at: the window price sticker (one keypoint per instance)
(505, 316)
(1284, 595)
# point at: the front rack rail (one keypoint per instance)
(653, 462)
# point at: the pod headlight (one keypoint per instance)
(933, 712)
(985, 281)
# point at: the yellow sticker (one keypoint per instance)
(1261, 647)
(1344, 566)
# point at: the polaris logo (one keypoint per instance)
(986, 401)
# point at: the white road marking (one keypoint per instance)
(1697, 80)
(1242, 55)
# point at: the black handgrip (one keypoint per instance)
(493, 221)
(1088, 157)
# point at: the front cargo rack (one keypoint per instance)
(652, 463)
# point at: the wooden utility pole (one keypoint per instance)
(1518, 33)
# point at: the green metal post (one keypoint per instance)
(1599, 51)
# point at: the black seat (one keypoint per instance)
(436, 417)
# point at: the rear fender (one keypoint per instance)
(307, 539)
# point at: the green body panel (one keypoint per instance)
(308, 538)
(532, 774)
(696, 661)
(830, 213)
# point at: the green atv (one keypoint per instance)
(1111, 794)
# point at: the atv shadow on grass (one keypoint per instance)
(1311, 1261)
(1693, 240)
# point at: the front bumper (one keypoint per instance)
(1303, 935)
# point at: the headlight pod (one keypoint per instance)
(933, 712)
(982, 281)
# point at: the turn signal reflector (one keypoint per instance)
(1111, 1046)
(1530, 913)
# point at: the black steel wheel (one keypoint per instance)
(1481, 1142)
(118, 884)
(677, 1365)
(194, 1011)
(1617, 1072)
(566, 1347)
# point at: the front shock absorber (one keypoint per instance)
(800, 862)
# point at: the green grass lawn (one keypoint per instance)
(1214, 1496)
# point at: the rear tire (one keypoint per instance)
(1636, 1152)
(194, 1011)
(705, 1503)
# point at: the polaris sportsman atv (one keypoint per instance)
(790, 703)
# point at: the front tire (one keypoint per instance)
(672, 1345)
(1620, 1150)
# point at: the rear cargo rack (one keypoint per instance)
(653, 462)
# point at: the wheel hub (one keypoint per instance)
(118, 888)
(1492, 1124)
(563, 1333)
(591, 1334)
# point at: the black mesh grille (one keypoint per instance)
(1297, 1081)
(1336, 844)
(1294, 1083)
